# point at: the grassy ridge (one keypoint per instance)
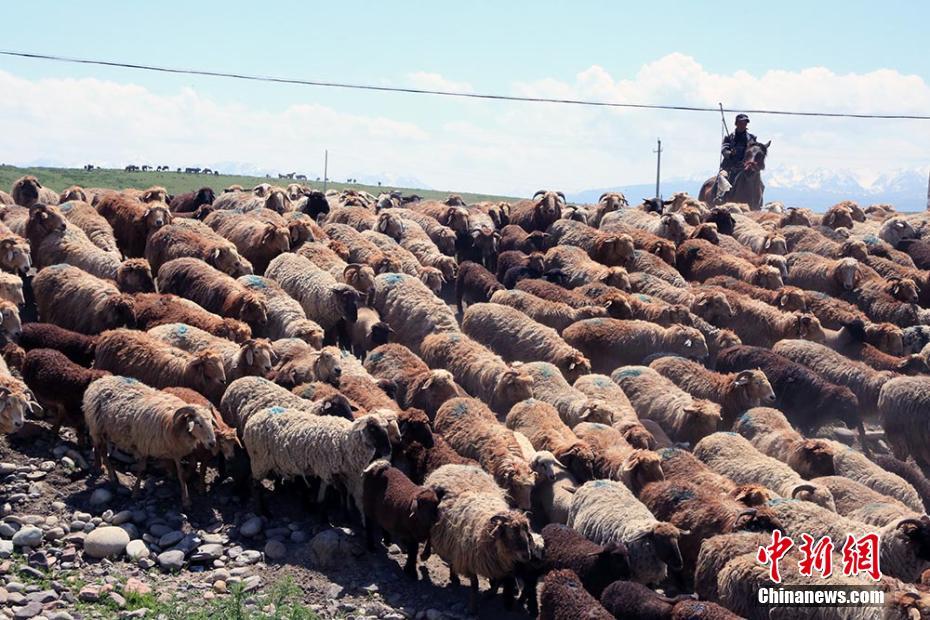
(177, 182)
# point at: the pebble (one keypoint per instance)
(77, 525)
(139, 516)
(131, 529)
(252, 583)
(207, 553)
(68, 463)
(171, 560)
(275, 550)
(134, 585)
(43, 596)
(6, 549)
(60, 615)
(249, 556)
(83, 516)
(121, 517)
(146, 563)
(299, 537)
(137, 550)
(219, 586)
(7, 529)
(106, 542)
(89, 594)
(118, 599)
(170, 539)
(251, 527)
(101, 497)
(55, 533)
(28, 536)
(15, 586)
(59, 505)
(159, 529)
(30, 610)
(40, 560)
(7, 468)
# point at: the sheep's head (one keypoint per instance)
(385, 264)
(886, 337)
(726, 338)
(15, 255)
(795, 217)
(454, 200)
(390, 224)
(838, 216)
(752, 494)
(10, 324)
(712, 306)
(257, 357)
(664, 249)
(855, 248)
(348, 302)
(766, 276)
(616, 276)
(234, 330)
(640, 468)
(702, 417)
(415, 427)
(519, 480)
(13, 407)
(754, 387)
(446, 264)
(791, 299)
(456, 218)
(328, 365)
(261, 190)
(155, 216)
(847, 273)
(573, 213)
(276, 239)
(299, 231)
(513, 386)
(579, 460)
(26, 190)
(424, 511)
(903, 289)
(549, 204)
(510, 531)
(445, 241)
(360, 277)
(337, 406)
(134, 275)
(812, 458)
(373, 434)
(380, 334)
(254, 310)
(75, 192)
(615, 249)
(486, 240)
(611, 201)
(46, 219)
(612, 563)
(814, 493)
(917, 533)
(636, 435)
(11, 287)
(119, 311)
(306, 330)
(686, 341)
(154, 194)
(194, 422)
(206, 369)
(896, 229)
(775, 244)
(438, 387)
(808, 327)
(204, 196)
(597, 411)
(664, 538)
(432, 278)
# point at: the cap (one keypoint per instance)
(742, 117)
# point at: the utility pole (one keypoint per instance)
(325, 168)
(658, 153)
(928, 193)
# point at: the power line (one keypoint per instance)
(448, 93)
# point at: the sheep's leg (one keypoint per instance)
(427, 551)
(202, 477)
(453, 577)
(528, 596)
(371, 535)
(410, 568)
(140, 473)
(510, 589)
(185, 498)
(473, 598)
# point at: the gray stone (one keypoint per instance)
(121, 517)
(101, 497)
(137, 550)
(139, 516)
(207, 552)
(299, 536)
(75, 538)
(249, 556)
(83, 516)
(43, 596)
(170, 539)
(251, 527)
(159, 529)
(252, 583)
(59, 505)
(7, 468)
(117, 599)
(77, 525)
(329, 547)
(7, 529)
(60, 615)
(55, 533)
(15, 586)
(146, 563)
(278, 532)
(29, 610)
(171, 560)
(28, 536)
(275, 550)
(131, 529)
(106, 542)
(6, 549)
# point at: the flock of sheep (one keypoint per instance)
(629, 398)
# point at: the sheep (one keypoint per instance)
(153, 309)
(669, 226)
(653, 265)
(554, 314)
(514, 238)
(607, 248)
(396, 505)
(514, 259)
(411, 309)
(682, 466)
(539, 213)
(904, 544)
(734, 392)
(653, 396)
(300, 363)
(415, 240)
(288, 443)
(361, 250)
(644, 240)
(477, 533)
(807, 399)
(251, 358)
(580, 269)
(716, 552)
(133, 221)
(628, 599)
(417, 386)
(616, 459)
(11, 288)
(27, 191)
(605, 512)
(757, 238)
(189, 202)
(516, 337)
(877, 299)
(474, 284)
(907, 471)
(549, 386)
(367, 332)
(830, 276)
(258, 235)
(144, 421)
(771, 434)
(78, 348)
(804, 239)
(734, 456)
(562, 597)
(699, 260)
(653, 286)
(74, 299)
(597, 566)
(474, 432)
(324, 256)
(59, 384)
(213, 290)
(616, 307)
(359, 218)
(442, 236)
(540, 423)
(430, 276)
(15, 253)
(182, 240)
(600, 388)
(860, 503)
(852, 340)
(95, 226)
(247, 396)
(901, 405)
(452, 216)
(286, 317)
(609, 343)
(896, 229)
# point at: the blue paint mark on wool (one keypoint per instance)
(598, 425)
(180, 330)
(128, 380)
(683, 495)
(782, 500)
(255, 282)
(65, 207)
(547, 371)
(602, 381)
(375, 357)
(277, 410)
(744, 420)
(645, 298)
(628, 372)
(598, 484)
(871, 239)
(459, 409)
(392, 278)
(667, 453)
(58, 266)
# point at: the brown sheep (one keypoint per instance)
(133, 221)
(181, 240)
(84, 216)
(361, 250)
(601, 388)
(75, 300)
(607, 248)
(833, 277)
(417, 386)
(137, 354)
(554, 314)
(474, 284)
(579, 269)
(699, 260)
(27, 191)
(786, 298)
(644, 240)
(548, 291)
(734, 392)
(474, 432)
(610, 343)
(682, 466)
(514, 238)
(258, 235)
(540, 423)
(78, 348)
(153, 309)
(769, 431)
(213, 290)
(539, 213)
(616, 459)
(518, 338)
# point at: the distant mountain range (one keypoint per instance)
(815, 189)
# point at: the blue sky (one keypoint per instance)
(659, 52)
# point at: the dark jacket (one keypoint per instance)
(734, 148)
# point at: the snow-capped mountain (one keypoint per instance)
(816, 189)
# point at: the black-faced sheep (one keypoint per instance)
(27, 191)
(188, 202)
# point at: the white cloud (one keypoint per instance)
(494, 147)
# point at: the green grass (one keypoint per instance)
(176, 183)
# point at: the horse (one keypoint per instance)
(746, 186)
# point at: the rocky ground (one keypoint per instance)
(74, 546)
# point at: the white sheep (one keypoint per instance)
(286, 317)
(324, 300)
(411, 309)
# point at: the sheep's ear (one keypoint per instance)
(768, 244)
(783, 301)
(742, 379)
(427, 383)
(688, 343)
(413, 508)
(249, 355)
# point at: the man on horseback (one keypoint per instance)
(733, 151)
